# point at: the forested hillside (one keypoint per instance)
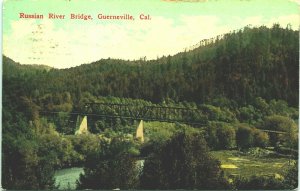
(239, 84)
(249, 63)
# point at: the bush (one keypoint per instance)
(291, 177)
(211, 136)
(83, 145)
(218, 114)
(244, 136)
(248, 114)
(261, 139)
(226, 136)
(258, 183)
(284, 124)
(220, 136)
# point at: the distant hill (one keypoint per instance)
(249, 63)
(28, 66)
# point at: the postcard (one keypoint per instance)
(150, 94)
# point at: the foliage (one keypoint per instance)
(244, 136)
(261, 139)
(158, 133)
(248, 114)
(110, 167)
(30, 163)
(226, 137)
(240, 78)
(83, 145)
(283, 124)
(258, 183)
(240, 66)
(291, 177)
(183, 162)
(217, 114)
(220, 135)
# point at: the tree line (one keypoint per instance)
(249, 63)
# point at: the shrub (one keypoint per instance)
(284, 124)
(261, 139)
(258, 183)
(226, 136)
(291, 177)
(244, 136)
(220, 136)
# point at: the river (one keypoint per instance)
(65, 179)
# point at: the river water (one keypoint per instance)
(65, 179)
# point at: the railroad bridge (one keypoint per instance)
(102, 111)
(185, 115)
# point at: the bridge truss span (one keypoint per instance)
(146, 112)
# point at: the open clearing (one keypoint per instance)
(236, 163)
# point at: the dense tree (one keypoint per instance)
(183, 162)
(243, 65)
(110, 166)
(244, 136)
(220, 136)
(30, 159)
(227, 137)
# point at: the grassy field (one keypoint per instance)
(65, 179)
(259, 162)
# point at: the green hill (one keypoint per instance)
(249, 63)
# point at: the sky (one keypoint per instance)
(174, 26)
